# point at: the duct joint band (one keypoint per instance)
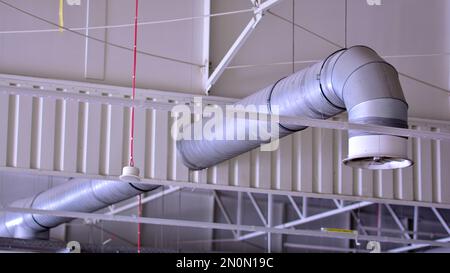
(269, 106)
(42, 226)
(32, 215)
(320, 77)
(137, 188)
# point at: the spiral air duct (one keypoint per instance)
(356, 80)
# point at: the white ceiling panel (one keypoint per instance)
(61, 55)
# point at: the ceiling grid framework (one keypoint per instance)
(71, 118)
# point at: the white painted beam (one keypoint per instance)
(417, 246)
(241, 39)
(206, 43)
(311, 218)
(232, 51)
(224, 211)
(316, 123)
(267, 5)
(231, 188)
(219, 226)
(324, 248)
(257, 208)
(416, 223)
(398, 222)
(441, 220)
(295, 207)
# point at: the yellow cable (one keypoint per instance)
(61, 15)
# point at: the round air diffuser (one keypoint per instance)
(377, 152)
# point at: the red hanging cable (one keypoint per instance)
(132, 120)
(134, 85)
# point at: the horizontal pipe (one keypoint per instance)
(81, 195)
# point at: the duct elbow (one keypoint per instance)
(356, 79)
(369, 89)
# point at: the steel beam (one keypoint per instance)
(221, 226)
(145, 104)
(230, 188)
(337, 203)
(239, 211)
(295, 206)
(441, 220)
(360, 224)
(416, 223)
(397, 231)
(258, 209)
(398, 222)
(325, 248)
(268, 4)
(224, 212)
(258, 11)
(269, 221)
(232, 51)
(206, 43)
(311, 218)
(305, 206)
(417, 246)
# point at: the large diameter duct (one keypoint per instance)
(78, 195)
(356, 80)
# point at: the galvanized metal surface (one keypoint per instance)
(89, 138)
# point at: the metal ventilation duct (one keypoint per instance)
(357, 80)
(79, 195)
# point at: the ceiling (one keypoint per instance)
(61, 55)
